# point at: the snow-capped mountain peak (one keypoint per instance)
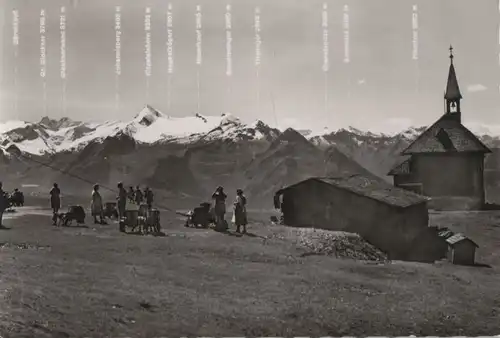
(227, 118)
(148, 116)
(54, 124)
(149, 126)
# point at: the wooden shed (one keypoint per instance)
(461, 249)
(388, 217)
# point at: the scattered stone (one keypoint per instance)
(338, 244)
(23, 246)
(332, 243)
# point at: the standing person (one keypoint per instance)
(122, 200)
(240, 211)
(131, 194)
(139, 198)
(148, 194)
(55, 202)
(96, 206)
(220, 207)
(4, 204)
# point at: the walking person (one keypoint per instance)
(4, 204)
(240, 211)
(149, 196)
(219, 198)
(96, 206)
(55, 202)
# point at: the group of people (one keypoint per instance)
(137, 196)
(133, 196)
(97, 206)
(239, 209)
(7, 200)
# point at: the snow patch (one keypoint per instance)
(11, 125)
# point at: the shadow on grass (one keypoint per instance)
(482, 265)
(229, 233)
(239, 234)
(76, 226)
(139, 233)
(250, 234)
(147, 306)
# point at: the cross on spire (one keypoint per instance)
(452, 94)
(452, 89)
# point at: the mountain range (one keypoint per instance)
(185, 159)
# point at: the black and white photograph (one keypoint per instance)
(249, 168)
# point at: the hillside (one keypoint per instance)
(289, 159)
(274, 282)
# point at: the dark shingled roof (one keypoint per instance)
(457, 238)
(402, 167)
(370, 188)
(446, 136)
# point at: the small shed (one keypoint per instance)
(386, 216)
(461, 249)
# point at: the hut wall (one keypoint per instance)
(456, 180)
(462, 253)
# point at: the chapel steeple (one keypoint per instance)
(452, 95)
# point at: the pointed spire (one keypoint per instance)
(452, 90)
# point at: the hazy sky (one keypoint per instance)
(380, 85)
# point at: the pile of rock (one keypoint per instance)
(338, 244)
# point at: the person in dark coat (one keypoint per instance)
(240, 211)
(55, 202)
(122, 200)
(219, 198)
(96, 205)
(149, 196)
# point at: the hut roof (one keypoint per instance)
(402, 167)
(446, 136)
(446, 234)
(370, 188)
(457, 238)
